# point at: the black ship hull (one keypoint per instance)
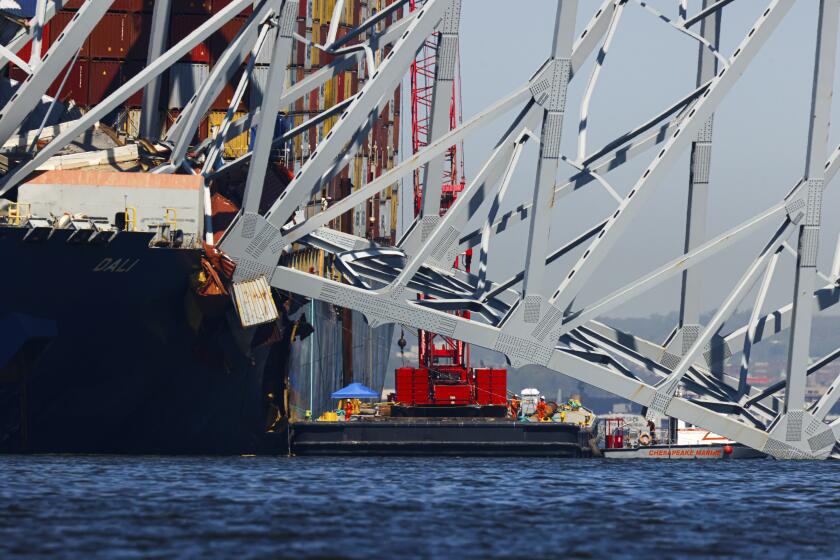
(106, 349)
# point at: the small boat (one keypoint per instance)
(625, 440)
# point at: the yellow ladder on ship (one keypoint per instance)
(17, 213)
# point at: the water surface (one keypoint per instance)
(259, 507)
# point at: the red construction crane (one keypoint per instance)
(448, 352)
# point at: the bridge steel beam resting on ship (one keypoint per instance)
(537, 314)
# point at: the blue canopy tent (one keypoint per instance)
(355, 391)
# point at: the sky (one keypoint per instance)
(759, 147)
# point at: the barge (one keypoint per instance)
(519, 428)
(480, 437)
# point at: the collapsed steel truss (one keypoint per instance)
(531, 317)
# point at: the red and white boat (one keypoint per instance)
(624, 441)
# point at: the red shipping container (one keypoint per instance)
(129, 70)
(323, 57)
(132, 5)
(118, 5)
(76, 85)
(339, 95)
(221, 39)
(26, 51)
(105, 78)
(222, 102)
(112, 37)
(182, 26)
(218, 5)
(200, 133)
(17, 74)
(299, 49)
(140, 30)
(57, 25)
(201, 7)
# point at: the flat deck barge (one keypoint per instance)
(443, 437)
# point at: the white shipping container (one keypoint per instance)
(184, 81)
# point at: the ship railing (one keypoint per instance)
(634, 437)
(130, 218)
(171, 218)
(19, 212)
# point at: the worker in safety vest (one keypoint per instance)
(514, 407)
(652, 429)
(541, 409)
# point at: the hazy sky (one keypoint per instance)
(759, 146)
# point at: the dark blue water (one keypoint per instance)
(117, 507)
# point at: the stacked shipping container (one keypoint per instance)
(117, 50)
(377, 219)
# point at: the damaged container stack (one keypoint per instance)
(345, 346)
(377, 219)
(115, 51)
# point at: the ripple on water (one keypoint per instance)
(63, 506)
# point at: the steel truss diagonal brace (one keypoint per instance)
(158, 38)
(384, 79)
(667, 388)
(440, 244)
(809, 229)
(269, 107)
(28, 94)
(213, 24)
(25, 35)
(182, 130)
(685, 132)
(670, 269)
(380, 309)
(405, 168)
(447, 49)
(549, 88)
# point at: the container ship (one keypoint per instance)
(119, 331)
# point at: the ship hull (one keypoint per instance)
(713, 452)
(127, 362)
